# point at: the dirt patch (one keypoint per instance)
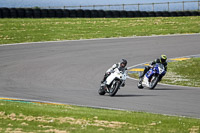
(194, 129)
(110, 124)
(10, 125)
(24, 124)
(152, 124)
(42, 126)
(55, 131)
(16, 130)
(62, 120)
(173, 77)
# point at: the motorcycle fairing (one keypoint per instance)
(117, 74)
(157, 69)
(110, 78)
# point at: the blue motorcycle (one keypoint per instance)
(152, 77)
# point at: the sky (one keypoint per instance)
(45, 3)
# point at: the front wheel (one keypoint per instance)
(101, 91)
(114, 88)
(154, 81)
(139, 85)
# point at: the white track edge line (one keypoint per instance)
(97, 107)
(96, 39)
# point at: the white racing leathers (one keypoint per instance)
(114, 81)
(116, 66)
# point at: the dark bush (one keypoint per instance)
(80, 13)
(187, 13)
(123, 14)
(166, 14)
(59, 13)
(66, 13)
(94, 14)
(44, 13)
(173, 14)
(144, 14)
(108, 14)
(21, 13)
(52, 13)
(116, 14)
(194, 13)
(5, 13)
(29, 13)
(159, 14)
(137, 14)
(13, 13)
(130, 14)
(37, 13)
(101, 13)
(1, 16)
(180, 14)
(151, 14)
(87, 13)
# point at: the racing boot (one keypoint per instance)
(103, 83)
(141, 77)
(123, 85)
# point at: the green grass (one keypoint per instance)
(184, 73)
(28, 117)
(34, 30)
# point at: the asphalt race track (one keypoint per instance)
(70, 72)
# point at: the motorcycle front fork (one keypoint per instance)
(106, 89)
(140, 80)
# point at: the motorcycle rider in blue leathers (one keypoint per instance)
(121, 66)
(162, 60)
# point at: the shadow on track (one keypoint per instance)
(164, 89)
(132, 95)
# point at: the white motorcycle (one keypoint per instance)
(113, 82)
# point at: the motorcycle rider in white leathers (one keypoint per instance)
(121, 66)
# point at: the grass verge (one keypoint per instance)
(34, 30)
(29, 117)
(184, 73)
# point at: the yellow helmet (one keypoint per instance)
(163, 58)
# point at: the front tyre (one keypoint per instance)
(139, 85)
(101, 91)
(114, 88)
(154, 82)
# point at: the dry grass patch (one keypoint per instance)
(62, 120)
(23, 117)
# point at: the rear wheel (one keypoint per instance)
(114, 88)
(154, 81)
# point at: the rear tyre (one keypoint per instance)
(114, 88)
(101, 91)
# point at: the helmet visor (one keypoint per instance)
(123, 65)
(163, 60)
